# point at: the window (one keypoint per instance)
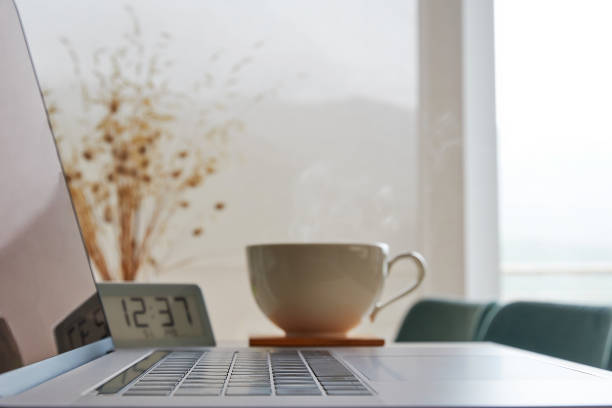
(312, 107)
(554, 81)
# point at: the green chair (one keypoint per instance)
(577, 333)
(444, 320)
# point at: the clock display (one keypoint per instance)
(82, 326)
(156, 314)
(150, 317)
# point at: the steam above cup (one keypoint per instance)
(323, 289)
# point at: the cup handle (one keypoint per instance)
(421, 264)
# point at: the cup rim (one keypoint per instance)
(382, 245)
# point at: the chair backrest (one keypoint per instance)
(577, 333)
(444, 320)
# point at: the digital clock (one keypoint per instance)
(156, 315)
(83, 325)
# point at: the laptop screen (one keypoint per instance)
(48, 299)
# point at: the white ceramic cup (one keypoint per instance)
(323, 289)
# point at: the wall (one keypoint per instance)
(457, 148)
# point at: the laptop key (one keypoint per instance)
(182, 392)
(335, 383)
(199, 385)
(193, 387)
(292, 377)
(209, 377)
(145, 393)
(349, 392)
(345, 387)
(302, 384)
(153, 385)
(237, 391)
(299, 391)
(203, 383)
(336, 377)
(254, 385)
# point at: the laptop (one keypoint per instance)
(56, 349)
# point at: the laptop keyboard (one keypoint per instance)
(247, 373)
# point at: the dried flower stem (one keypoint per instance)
(88, 228)
(130, 172)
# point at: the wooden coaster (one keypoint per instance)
(282, 341)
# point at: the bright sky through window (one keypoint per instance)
(554, 83)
